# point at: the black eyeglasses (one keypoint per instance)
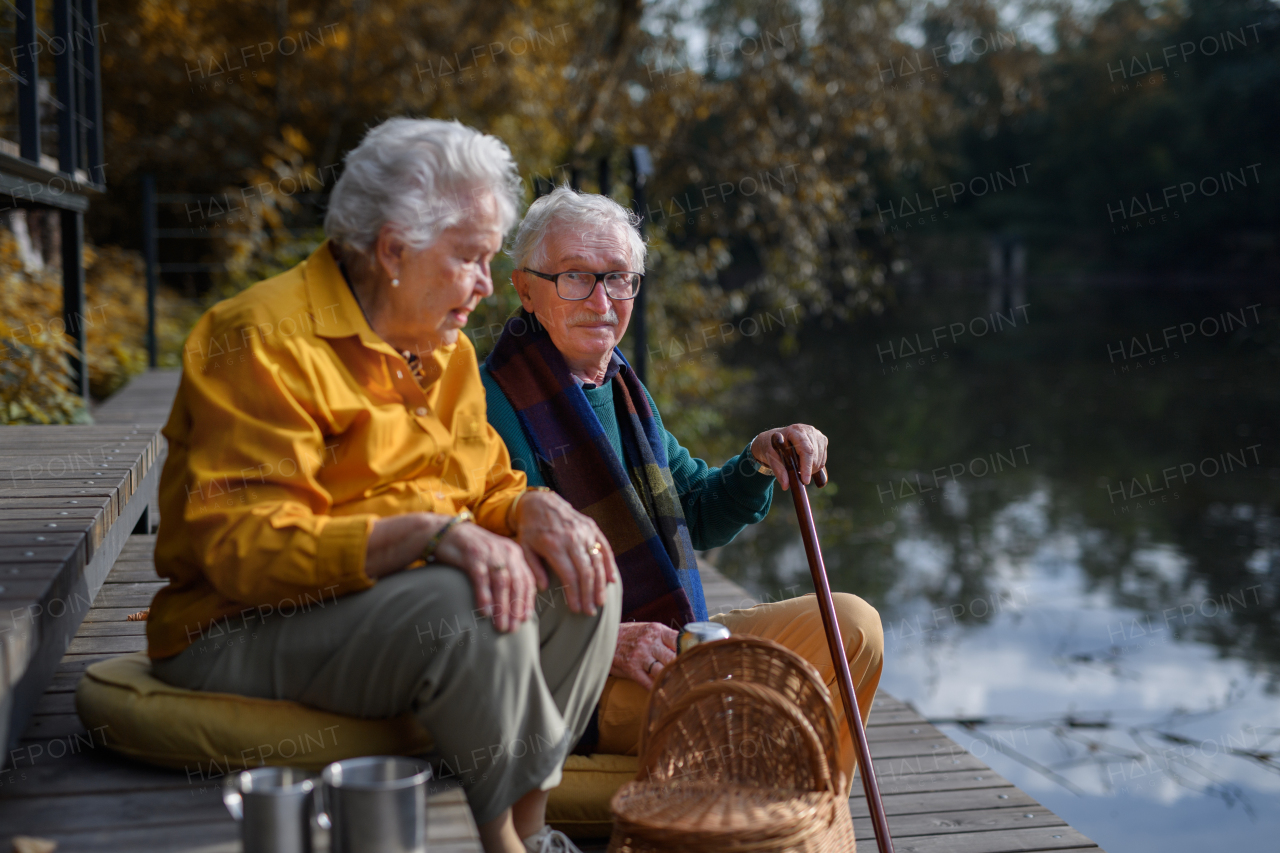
(576, 286)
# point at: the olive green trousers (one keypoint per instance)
(503, 709)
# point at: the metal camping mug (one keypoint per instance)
(376, 804)
(274, 806)
(697, 633)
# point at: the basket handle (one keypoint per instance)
(817, 754)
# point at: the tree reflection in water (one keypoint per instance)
(1086, 459)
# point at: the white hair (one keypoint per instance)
(566, 208)
(421, 176)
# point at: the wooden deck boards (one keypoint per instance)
(62, 784)
(65, 786)
(69, 497)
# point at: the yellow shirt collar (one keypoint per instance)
(326, 286)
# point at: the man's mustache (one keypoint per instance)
(584, 317)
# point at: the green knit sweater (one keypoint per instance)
(718, 502)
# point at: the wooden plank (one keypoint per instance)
(65, 515)
(56, 703)
(185, 837)
(48, 768)
(902, 748)
(55, 503)
(116, 645)
(903, 731)
(955, 823)
(41, 552)
(445, 820)
(1007, 841)
(946, 801)
(955, 780)
(135, 595)
(46, 726)
(61, 538)
(110, 614)
(893, 718)
(116, 628)
(935, 763)
(79, 812)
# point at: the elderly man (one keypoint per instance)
(576, 419)
(328, 445)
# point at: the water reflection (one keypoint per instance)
(1067, 516)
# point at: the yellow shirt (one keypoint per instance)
(294, 428)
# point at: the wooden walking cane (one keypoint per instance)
(827, 605)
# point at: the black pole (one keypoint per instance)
(575, 178)
(28, 80)
(641, 169)
(68, 125)
(641, 359)
(92, 90)
(602, 175)
(149, 249)
(73, 314)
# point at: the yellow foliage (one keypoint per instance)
(36, 382)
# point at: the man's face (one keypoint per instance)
(585, 332)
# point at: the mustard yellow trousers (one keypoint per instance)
(796, 624)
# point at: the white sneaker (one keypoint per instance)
(548, 840)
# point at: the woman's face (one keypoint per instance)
(442, 284)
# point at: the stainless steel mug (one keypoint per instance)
(697, 633)
(275, 807)
(376, 804)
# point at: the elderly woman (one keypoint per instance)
(336, 504)
(576, 418)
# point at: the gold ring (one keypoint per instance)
(596, 549)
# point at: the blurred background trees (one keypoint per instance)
(796, 144)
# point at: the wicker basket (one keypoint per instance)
(737, 753)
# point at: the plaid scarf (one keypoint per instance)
(637, 506)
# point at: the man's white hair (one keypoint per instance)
(577, 212)
(421, 176)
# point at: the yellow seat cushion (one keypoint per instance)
(210, 734)
(579, 807)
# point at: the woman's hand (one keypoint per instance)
(644, 648)
(504, 584)
(555, 534)
(809, 443)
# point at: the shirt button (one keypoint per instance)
(421, 411)
(439, 459)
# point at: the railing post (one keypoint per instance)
(149, 251)
(28, 80)
(68, 126)
(602, 173)
(92, 94)
(641, 170)
(73, 311)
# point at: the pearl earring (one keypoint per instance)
(395, 282)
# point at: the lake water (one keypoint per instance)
(1067, 516)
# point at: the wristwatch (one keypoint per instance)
(429, 552)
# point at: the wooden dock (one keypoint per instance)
(58, 781)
